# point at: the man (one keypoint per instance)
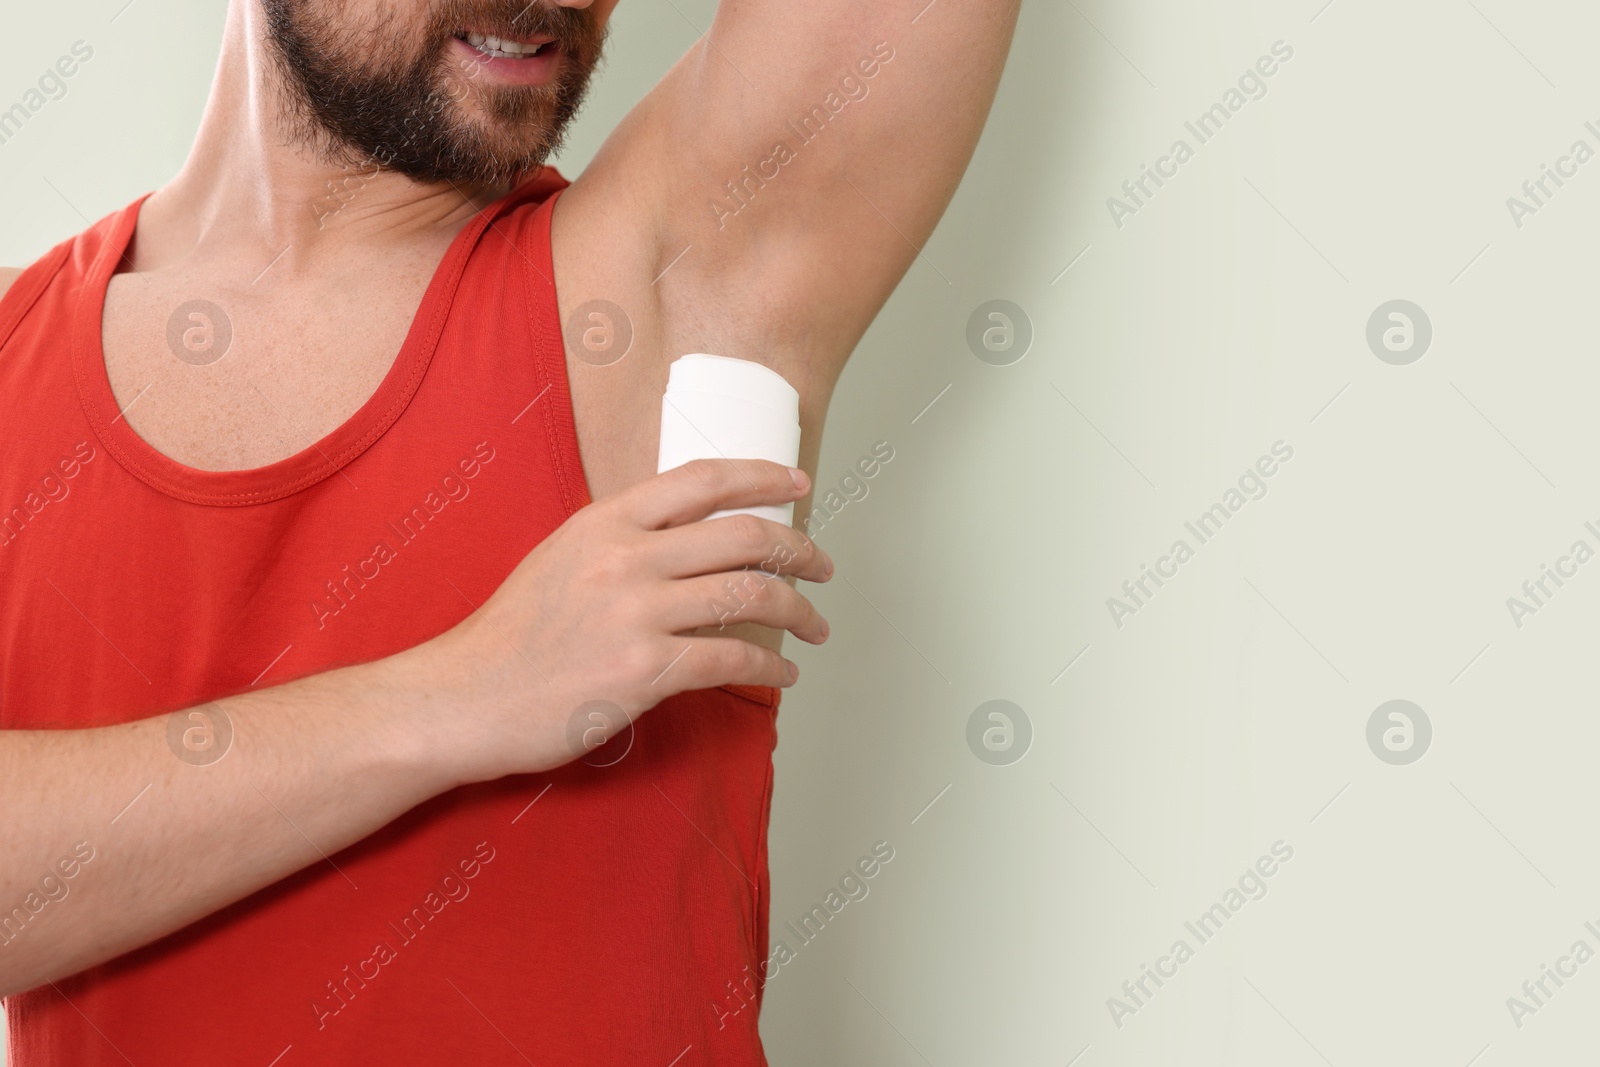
(330, 535)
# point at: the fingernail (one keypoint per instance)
(828, 560)
(825, 629)
(799, 477)
(794, 671)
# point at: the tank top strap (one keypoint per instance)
(29, 286)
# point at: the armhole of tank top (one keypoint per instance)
(25, 291)
(535, 240)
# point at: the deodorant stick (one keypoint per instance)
(717, 407)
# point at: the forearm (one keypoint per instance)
(313, 766)
(320, 763)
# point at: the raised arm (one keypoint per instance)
(797, 158)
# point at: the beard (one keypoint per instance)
(387, 96)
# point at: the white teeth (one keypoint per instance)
(496, 46)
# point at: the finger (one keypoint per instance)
(741, 596)
(699, 487)
(712, 661)
(734, 542)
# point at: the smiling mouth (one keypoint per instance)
(506, 48)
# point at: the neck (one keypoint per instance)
(250, 193)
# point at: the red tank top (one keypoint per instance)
(592, 915)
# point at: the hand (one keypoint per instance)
(606, 608)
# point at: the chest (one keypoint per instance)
(219, 377)
(219, 373)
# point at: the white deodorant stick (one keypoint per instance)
(717, 407)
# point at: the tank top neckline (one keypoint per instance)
(312, 464)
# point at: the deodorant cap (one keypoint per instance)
(718, 407)
(702, 372)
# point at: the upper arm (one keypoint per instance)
(787, 170)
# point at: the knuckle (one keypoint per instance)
(771, 564)
(638, 612)
(743, 658)
(705, 473)
(614, 564)
(801, 548)
(642, 661)
(755, 587)
(748, 531)
(716, 662)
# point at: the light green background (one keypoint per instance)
(1230, 711)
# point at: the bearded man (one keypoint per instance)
(331, 537)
